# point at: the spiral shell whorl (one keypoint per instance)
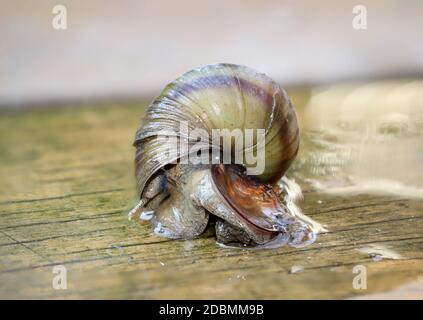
(217, 97)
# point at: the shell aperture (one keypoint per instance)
(252, 200)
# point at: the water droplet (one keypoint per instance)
(146, 215)
(296, 269)
(376, 257)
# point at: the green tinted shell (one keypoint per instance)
(220, 96)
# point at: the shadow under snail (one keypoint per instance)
(181, 197)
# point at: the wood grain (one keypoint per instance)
(67, 185)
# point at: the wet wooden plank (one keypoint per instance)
(67, 184)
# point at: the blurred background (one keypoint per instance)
(131, 49)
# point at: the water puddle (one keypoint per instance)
(365, 138)
(379, 252)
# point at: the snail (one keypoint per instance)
(238, 188)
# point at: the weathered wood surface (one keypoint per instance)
(67, 185)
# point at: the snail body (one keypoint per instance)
(181, 194)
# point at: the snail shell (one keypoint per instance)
(220, 96)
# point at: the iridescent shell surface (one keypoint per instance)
(220, 96)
